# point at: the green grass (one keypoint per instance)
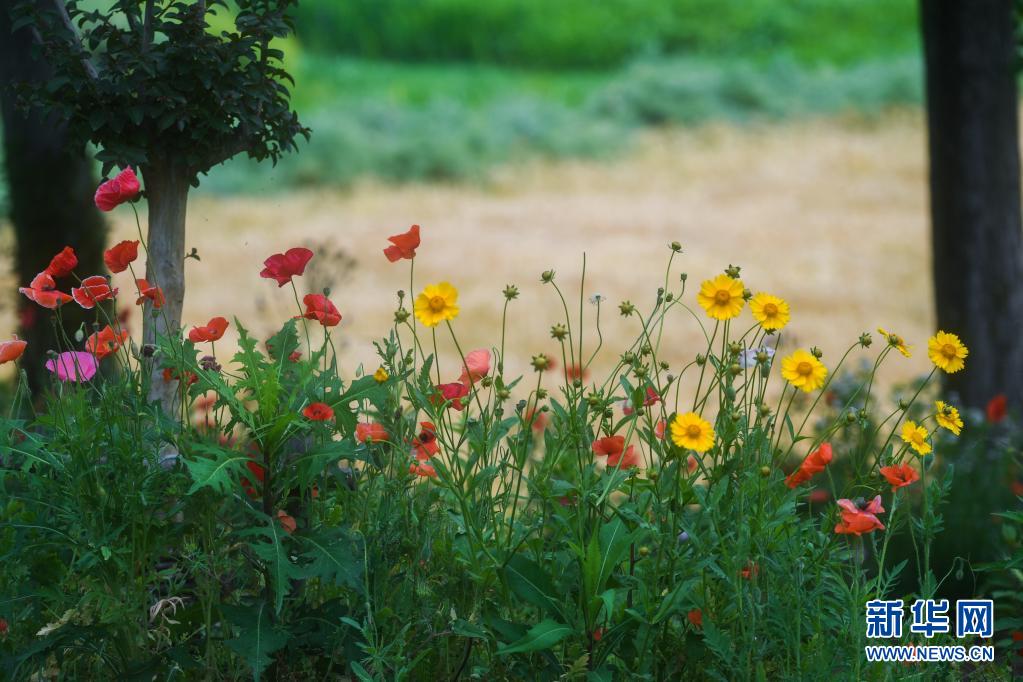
(403, 122)
(608, 33)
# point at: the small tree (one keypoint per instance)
(150, 84)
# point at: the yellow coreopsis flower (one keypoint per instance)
(916, 436)
(896, 342)
(437, 303)
(947, 352)
(381, 375)
(721, 297)
(948, 417)
(770, 311)
(804, 371)
(691, 432)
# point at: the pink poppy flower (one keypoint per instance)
(477, 366)
(74, 366)
(857, 521)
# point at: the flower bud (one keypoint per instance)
(503, 394)
(734, 369)
(559, 332)
(683, 277)
(765, 410)
(701, 359)
(816, 352)
(644, 551)
(866, 340)
(734, 347)
(732, 271)
(577, 383)
(765, 471)
(511, 292)
(903, 404)
(401, 294)
(669, 297)
(683, 538)
(540, 362)
(547, 276)
(676, 247)
(487, 382)
(400, 315)
(541, 394)
(747, 294)
(626, 308)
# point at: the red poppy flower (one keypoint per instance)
(573, 372)
(422, 469)
(11, 350)
(283, 266)
(295, 356)
(1017, 488)
(112, 193)
(121, 255)
(95, 289)
(613, 447)
(598, 634)
(536, 418)
(403, 245)
(258, 474)
(696, 618)
(453, 392)
(318, 412)
(150, 291)
(105, 342)
(171, 375)
(318, 307)
(4, 627)
(43, 290)
(287, 521)
(425, 445)
(819, 496)
(899, 475)
(692, 464)
(370, 431)
(213, 331)
(814, 464)
(857, 521)
(63, 263)
(750, 570)
(659, 429)
(997, 408)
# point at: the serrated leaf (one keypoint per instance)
(219, 470)
(258, 637)
(272, 552)
(334, 557)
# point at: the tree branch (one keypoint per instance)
(90, 70)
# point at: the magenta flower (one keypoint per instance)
(74, 366)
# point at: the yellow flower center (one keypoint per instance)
(948, 350)
(437, 304)
(770, 309)
(722, 297)
(804, 368)
(693, 431)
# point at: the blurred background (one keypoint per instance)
(786, 138)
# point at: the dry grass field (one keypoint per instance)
(830, 214)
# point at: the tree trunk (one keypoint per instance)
(972, 123)
(166, 187)
(51, 187)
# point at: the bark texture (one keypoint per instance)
(51, 183)
(973, 136)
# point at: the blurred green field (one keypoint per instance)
(603, 34)
(427, 90)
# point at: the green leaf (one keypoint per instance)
(543, 635)
(528, 581)
(335, 557)
(272, 552)
(258, 637)
(615, 539)
(218, 471)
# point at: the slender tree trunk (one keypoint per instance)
(972, 122)
(51, 186)
(167, 195)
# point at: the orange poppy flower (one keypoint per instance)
(318, 412)
(899, 475)
(403, 245)
(750, 570)
(287, 521)
(119, 256)
(212, 331)
(425, 445)
(318, 307)
(814, 464)
(95, 289)
(613, 447)
(477, 366)
(43, 290)
(696, 618)
(150, 291)
(171, 375)
(105, 342)
(63, 263)
(422, 469)
(11, 350)
(370, 431)
(857, 520)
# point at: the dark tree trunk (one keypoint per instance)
(972, 110)
(167, 197)
(51, 187)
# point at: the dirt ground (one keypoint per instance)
(829, 214)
